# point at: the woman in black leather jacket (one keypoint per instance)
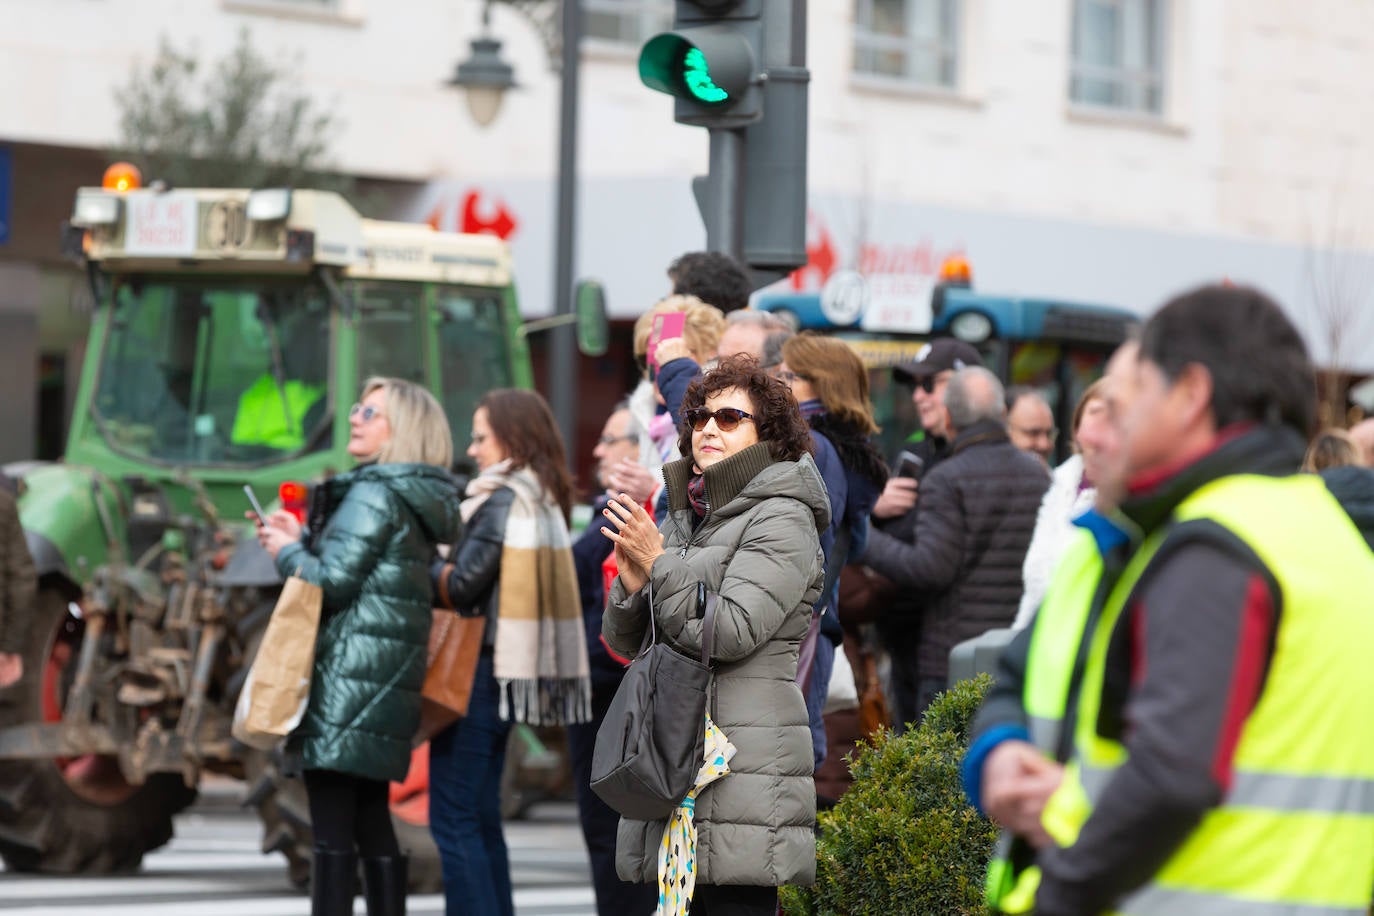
(513, 566)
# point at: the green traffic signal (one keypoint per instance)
(696, 76)
(708, 66)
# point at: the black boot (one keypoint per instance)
(333, 882)
(384, 885)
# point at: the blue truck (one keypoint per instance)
(1055, 346)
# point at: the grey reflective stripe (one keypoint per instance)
(1094, 780)
(1285, 792)
(1044, 733)
(1168, 901)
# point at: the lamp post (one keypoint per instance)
(485, 78)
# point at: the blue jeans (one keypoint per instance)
(465, 763)
(816, 690)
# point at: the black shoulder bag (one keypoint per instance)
(651, 744)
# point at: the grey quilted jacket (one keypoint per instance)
(758, 550)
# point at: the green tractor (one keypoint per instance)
(232, 331)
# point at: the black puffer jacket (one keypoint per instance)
(977, 513)
(467, 582)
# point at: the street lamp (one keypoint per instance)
(484, 76)
(487, 76)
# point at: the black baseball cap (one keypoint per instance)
(940, 355)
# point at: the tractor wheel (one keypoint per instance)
(285, 812)
(73, 815)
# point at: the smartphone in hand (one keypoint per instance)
(910, 465)
(257, 506)
(666, 326)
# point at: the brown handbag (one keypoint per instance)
(873, 714)
(455, 642)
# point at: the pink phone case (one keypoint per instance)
(666, 327)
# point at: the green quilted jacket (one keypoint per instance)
(373, 534)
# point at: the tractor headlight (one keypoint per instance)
(269, 204)
(95, 210)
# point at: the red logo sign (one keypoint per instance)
(475, 217)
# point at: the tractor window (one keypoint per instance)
(218, 372)
(390, 336)
(474, 352)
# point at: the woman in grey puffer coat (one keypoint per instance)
(744, 514)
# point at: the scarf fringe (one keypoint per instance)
(545, 701)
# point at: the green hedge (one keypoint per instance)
(904, 839)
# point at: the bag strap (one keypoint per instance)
(708, 623)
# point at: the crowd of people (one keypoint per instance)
(1179, 724)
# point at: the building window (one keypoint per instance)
(1118, 55)
(629, 22)
(912, 40)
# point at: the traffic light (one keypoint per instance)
(710, 62)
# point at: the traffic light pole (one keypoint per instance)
(724, 215)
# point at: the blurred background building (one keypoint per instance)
(1107, 150)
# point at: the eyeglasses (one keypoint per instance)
(727, 418)
(612, 440)
(367, 412)
(787, 377)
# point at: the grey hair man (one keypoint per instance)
(747, 330)
(974, 523)
(974, 395)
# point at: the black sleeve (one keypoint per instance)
(1198, 642)
(476, 560)
(589, 552)
(933, 559)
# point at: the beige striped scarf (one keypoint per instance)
(541, 645)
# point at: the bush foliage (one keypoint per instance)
(904, 839)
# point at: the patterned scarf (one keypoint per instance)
(541, 646)
(696, 494)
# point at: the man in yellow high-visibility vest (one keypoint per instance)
(1185, 727)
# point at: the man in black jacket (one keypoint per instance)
(977, 513)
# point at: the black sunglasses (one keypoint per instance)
(727, 418)
(927, 383)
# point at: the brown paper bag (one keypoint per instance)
(455, 642)
(277, 688)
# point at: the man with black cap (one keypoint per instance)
(895, 511)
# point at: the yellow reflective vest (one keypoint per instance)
(1294, 835)
(272, 417)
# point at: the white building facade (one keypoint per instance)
(1112, 151)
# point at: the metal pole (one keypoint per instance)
(725, 231)
(563, 355)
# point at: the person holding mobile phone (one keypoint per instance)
(372, 533)
(676, 360)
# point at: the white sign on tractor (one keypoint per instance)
(161, 224)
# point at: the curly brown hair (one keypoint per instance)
(777, 418)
